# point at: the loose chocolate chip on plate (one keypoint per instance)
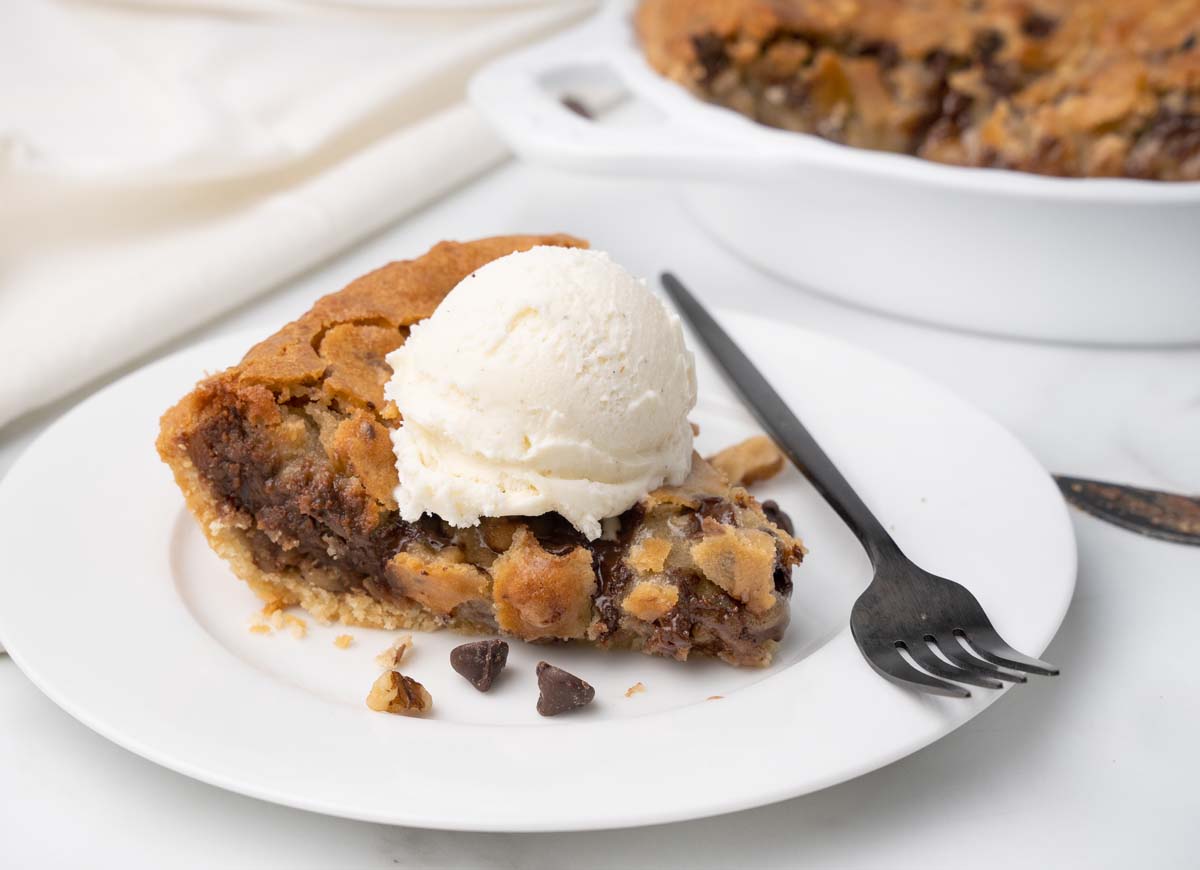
(559, 692)
(395, 693)
(480, 662)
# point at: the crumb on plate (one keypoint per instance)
(273, 606)
(297, 626)
(343, 641)
(395, 653)
(636, 689)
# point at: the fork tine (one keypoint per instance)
(991, 646)
(888, 663)
(925, 657)
(954, 651)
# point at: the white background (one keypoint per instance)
(1094, 769)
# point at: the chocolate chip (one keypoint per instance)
(717, 509)
(776, 515)
(883, 50)
(555, 535)
(1188, 43)
(782, 577)
(480, 662)
(613, 577)
(988, 44)
(559, 692)
(710, 52)
(1038, 26)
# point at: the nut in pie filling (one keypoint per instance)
(286, 462)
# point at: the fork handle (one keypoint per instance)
(798, 444)
(792, 437)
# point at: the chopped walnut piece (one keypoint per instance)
(395, 693)
(649, 601)
(343, 641)
(395, 653)
(740, 561)
(436, 581)
(560, 691)
(750, 461)
(636, 689)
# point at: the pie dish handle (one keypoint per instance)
(519, 96)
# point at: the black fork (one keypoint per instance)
(907, 616)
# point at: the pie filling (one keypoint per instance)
(692, 569)
(1087, 89)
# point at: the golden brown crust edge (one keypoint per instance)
(392, 297)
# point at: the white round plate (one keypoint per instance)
(113, 605)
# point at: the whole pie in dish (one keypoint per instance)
(286, 461)
(1058, 87)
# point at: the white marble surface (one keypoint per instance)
(1094, 769)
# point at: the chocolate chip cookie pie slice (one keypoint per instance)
(286, 460)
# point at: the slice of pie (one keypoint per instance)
(286, 462)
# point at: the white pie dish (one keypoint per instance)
(138, 630)
(995, 251)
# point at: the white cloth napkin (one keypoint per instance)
(163, 160)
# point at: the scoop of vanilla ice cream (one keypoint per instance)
(549, 380)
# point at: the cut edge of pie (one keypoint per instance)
(285, 461)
